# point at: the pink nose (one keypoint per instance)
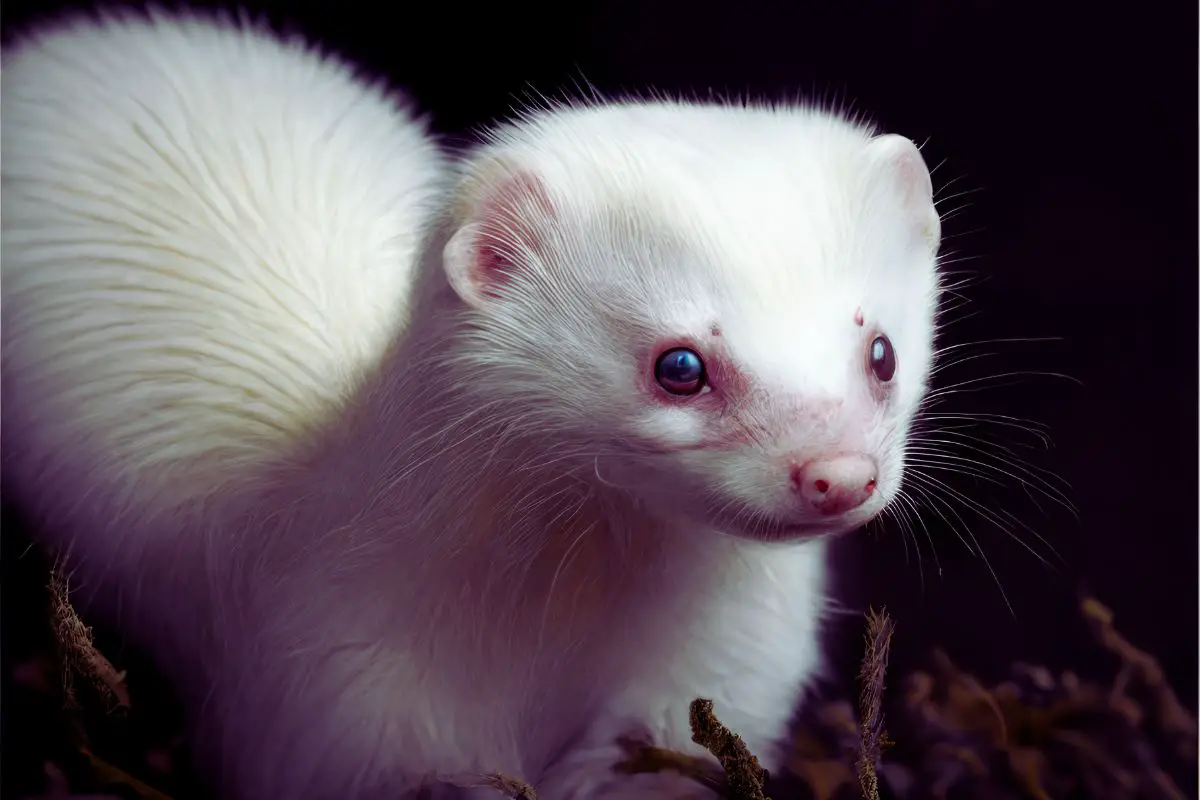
(836, 484)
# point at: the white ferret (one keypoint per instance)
(394, 491)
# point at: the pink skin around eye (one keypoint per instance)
(728, 386)
(724, 380)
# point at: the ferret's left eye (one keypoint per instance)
(881, 358)
(680, 371)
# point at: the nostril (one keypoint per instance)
(836, 484)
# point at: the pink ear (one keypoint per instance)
(906, 168)
(499, 237)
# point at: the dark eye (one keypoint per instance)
(680, 371)
(881, 357)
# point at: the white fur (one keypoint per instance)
(192, 213)
(491, 556)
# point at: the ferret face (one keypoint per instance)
(727, 313)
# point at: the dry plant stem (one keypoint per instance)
(1172, 715)
(872, 736)
(642, 758)
(739, 776)
(744, 776)
(77, 651)
(513, 788)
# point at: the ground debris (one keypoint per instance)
(1035, 735)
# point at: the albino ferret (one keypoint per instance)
(402, 468)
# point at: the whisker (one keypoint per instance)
(1010, 468)
(988, 564)
(997, 517)
(936, 504)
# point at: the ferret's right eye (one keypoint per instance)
(680, 371)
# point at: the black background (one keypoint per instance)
(1072, 130)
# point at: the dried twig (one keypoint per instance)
(642, 758)
(1041, 735)
(1175, 719)
(739, 776)
(513, 788)
(872, 736)
(1038, 735)
(745, 777)
(77, 651)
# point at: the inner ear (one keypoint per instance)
(906, 168)
(502, 234)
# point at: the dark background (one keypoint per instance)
(1072, 129)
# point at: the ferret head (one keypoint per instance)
(724, 312)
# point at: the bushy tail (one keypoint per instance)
(208, 235)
